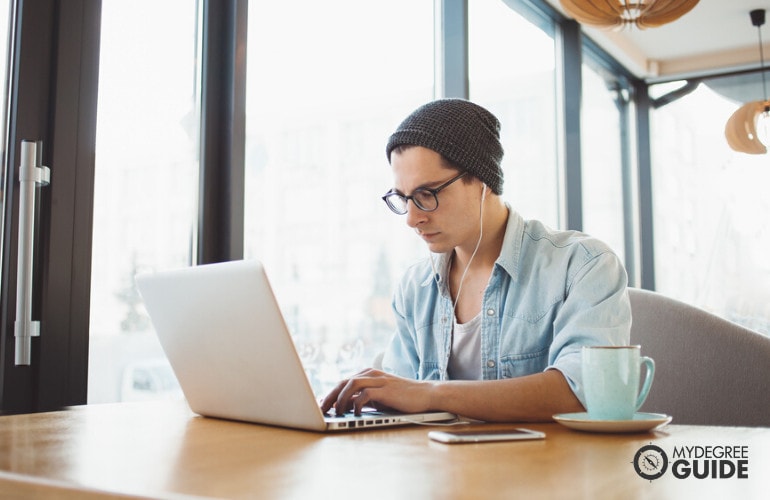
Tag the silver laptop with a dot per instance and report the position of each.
(223, 333)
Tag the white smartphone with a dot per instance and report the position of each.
(483, 436)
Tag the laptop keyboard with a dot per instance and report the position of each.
(365, 413)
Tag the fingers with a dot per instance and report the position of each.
(356, 393)
(328, 402)
(361, 399)
(353, 393)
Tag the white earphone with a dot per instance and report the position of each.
(478, 244)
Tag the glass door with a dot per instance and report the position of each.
(146, 185)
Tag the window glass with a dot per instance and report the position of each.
(601, 164)
(5, 42)
(325, 89)
(711, 207)
(146, 185)
(511, 73)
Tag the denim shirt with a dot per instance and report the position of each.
(550, 293)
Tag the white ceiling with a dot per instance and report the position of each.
(714, 37)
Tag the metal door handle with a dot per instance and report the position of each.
(31, 174)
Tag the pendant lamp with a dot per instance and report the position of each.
(621, 13)
(741, 127)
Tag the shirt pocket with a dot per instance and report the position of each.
(518, 365)
(526, 343)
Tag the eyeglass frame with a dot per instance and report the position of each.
(434, 191)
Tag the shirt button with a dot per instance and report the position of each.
(491, 363)
(490, 312)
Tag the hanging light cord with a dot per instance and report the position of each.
(762, 62)
(758, 19)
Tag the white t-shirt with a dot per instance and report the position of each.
(465, 358)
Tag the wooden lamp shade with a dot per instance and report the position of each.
(620, 13)
(741, 128)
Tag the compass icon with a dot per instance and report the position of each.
(650, 462)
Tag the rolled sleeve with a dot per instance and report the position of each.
(596, 311)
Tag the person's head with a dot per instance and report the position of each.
(465, 134)
(445, 157)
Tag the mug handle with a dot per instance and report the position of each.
(650, 364)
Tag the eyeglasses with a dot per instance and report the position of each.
(426, 199)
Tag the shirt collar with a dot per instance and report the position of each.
(510, 253)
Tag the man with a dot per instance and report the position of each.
(492, 326)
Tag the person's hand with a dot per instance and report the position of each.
(380, 390)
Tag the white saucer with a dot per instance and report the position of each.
(641, 422)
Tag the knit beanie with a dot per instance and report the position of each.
(463, 132)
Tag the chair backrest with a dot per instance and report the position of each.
(708, 370)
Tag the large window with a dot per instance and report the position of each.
(327, 83)
(146, 185)
(601, 133)
(511, 73)
(324, 91)
(711, 211)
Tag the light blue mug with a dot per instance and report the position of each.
(611, 381)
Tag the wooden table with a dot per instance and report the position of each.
(163, 450)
